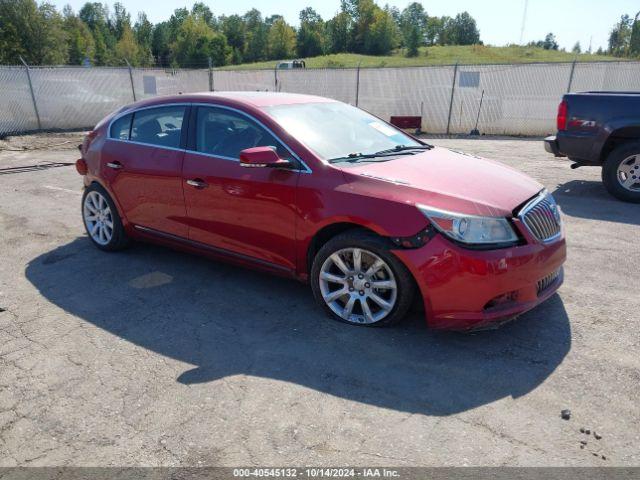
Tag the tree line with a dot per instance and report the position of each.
(624, 39)
(98, 35)
(103, 36)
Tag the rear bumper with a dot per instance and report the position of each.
(551, 146)
(469, 289)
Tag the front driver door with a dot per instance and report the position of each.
(249, 212)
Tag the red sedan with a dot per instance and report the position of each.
(315, 189)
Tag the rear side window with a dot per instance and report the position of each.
(226, 133)
(121, 127)
(160, 126)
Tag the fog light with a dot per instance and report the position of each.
(502, 300)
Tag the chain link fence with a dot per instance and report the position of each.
(516, 99)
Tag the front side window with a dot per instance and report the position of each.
(160, 126)
(226, 133)
(121, 127)
(336, 130)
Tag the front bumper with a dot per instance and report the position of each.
(467, 289)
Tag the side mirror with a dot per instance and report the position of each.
(262, 157)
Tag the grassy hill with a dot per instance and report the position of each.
(472, 54)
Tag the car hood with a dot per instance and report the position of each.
(448, 180)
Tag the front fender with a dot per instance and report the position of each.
(325, 205)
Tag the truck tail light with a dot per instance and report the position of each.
(562, 116)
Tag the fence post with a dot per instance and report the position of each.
(275, 77)
(210, 76)
(453, 90)
(358, 83)
(573, 69)
(133, 88)
(33, 95)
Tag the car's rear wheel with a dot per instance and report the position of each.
(621, 172)
(359, 281)
(101, 220)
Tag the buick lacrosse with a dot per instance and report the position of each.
(318, 190)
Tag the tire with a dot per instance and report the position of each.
(356, 290)
(98, 208)
(618, 163)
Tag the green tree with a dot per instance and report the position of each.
(338, 33)
(202, 12)
(577, 48)
(34, 32)
(433, 30)
(310, 38)
(96, 17)
(620, 36)
(412, 40)
(382, 35)
(257, 36)
(282, 40)
(413, 23)
(550, 42)
(120, 20)
(127, 48)
(365, 15)
(143, 31)
(196, 42)
(463, 30)
(161, 43)
(235, 30)
(80, 41)
(634, 38)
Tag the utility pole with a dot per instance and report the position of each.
(524, 21)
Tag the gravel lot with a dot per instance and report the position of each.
(155, 357)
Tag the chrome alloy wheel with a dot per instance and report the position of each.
(629, 173)
(98, 218)
(358, 286)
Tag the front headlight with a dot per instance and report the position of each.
(471, 229)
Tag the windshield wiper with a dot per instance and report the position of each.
(405, 148)
(391, 152)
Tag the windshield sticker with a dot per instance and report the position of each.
(384, 129)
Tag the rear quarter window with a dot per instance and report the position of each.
(121, 128)
(161, 126)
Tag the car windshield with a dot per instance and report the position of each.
(336, 131)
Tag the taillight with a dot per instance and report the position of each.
(81, 166)
(562, 116)
(89, 137)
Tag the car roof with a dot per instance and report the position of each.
(253, 99)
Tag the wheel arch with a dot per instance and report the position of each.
(618, 137)
(326, 233)
(114, 199)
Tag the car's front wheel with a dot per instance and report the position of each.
(101, 220)
(621, 172)
(359, 281)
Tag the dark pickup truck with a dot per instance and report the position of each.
(603, 129)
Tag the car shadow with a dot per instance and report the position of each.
(227, 321)
(589, 199)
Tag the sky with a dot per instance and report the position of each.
(500, 22)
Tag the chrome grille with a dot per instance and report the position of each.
(542, 217)
(547, 281)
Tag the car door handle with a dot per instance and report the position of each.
(114, 165)
(197, 183)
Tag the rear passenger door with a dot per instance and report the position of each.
(142, 162)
